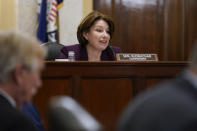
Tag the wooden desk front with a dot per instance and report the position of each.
(103, 88)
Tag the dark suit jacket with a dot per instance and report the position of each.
(109, 54)
(11, 119)
(170, 106)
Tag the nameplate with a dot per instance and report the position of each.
(136, 57)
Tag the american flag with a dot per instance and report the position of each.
(48, 20)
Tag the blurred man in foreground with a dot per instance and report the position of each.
(21, 63)
(170, 106)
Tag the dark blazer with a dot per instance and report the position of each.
(109, 54)
(170, 106)
(11, 119)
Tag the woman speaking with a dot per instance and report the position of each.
(94, 34)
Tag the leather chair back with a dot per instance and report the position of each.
(53, 50)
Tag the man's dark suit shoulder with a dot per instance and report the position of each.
(166, 106)
(12, 119)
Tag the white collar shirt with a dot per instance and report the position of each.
(8, 97)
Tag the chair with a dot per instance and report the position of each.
(53, 50)
(65, 114)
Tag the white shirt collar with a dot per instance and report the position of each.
(8, 97)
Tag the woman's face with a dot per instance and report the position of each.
(98, 37)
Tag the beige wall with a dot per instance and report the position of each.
(7, 15)
(11, 10)
(87, 7)
(70, 16)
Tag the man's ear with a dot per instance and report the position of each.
(85, 35)
(18, 74)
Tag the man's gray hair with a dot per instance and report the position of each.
(15, 49)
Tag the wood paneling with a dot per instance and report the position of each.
(165, 27)
(52, 86)
(190, 24)
(151, 81)
(106, 107)
(103, 88)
